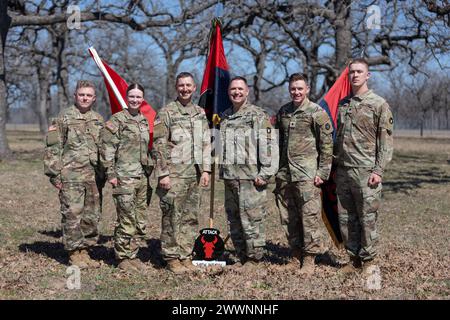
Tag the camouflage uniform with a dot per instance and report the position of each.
(247, 153)
(72, 158)
(182, 150)
(125, 156)
(306, 149)
(364, 145)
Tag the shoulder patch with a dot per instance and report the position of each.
(111, 126)
(157, 120)
(322, 117)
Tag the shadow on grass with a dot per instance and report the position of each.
(102, 239)
(406, 178)
(52, 233)
(277, 254)
(152, 254)
(53, 250)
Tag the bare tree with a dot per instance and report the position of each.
(109, 13)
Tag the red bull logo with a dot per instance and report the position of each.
(208, 247)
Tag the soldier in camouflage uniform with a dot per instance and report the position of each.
(363, 148)
(306, 150)
(126, 158)
(182, 151)
(249, 159)
(71, 161)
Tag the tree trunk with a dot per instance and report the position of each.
(260, 62)
(170, 91)
(5, 22)
(62, 73)
(43, 96)
(343, 32)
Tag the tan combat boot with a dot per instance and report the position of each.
(308, 265)
(127, 266)
(367, 265)
(76, 258)
(138, 264)
(354, 265)
(90, 262)
(188, 264)
(176, 267)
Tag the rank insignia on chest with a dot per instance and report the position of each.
(291, 125)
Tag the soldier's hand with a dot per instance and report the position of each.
(204, 180)
(113, 182)
(58, 185)
(374, 180)
(164, 183)
(259, 182)
(318, 181)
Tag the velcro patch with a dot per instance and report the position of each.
(52, 137)
(111, 127)
(327, 127)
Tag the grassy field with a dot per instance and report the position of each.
(414, 226)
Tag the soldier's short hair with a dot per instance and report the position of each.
(85, 84)
(184, 75)
(298, 76)
(359, 60)
(239, 78)
(136, 85)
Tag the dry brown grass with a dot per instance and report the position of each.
(413, 222)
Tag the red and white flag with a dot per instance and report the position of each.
(117, 91)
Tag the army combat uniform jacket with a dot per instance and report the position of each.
(249, 144)
(364, 135)
(182, 145)
(71, 153)
(125, 150)
(306, 142)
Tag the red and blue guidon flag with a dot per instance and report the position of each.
(340, 89)
(117, 91)
(214, 91)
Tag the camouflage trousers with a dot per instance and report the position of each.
(357, 206)
(300, 207)
(245, 206)
(180, 206)
(131, 197)
(80, 210)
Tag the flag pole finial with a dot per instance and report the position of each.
(219, 9)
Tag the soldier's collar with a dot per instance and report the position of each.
(79, 114)
(130, 116)
(302, 107)
(361, 97)
(183, 107)
(244, 106)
